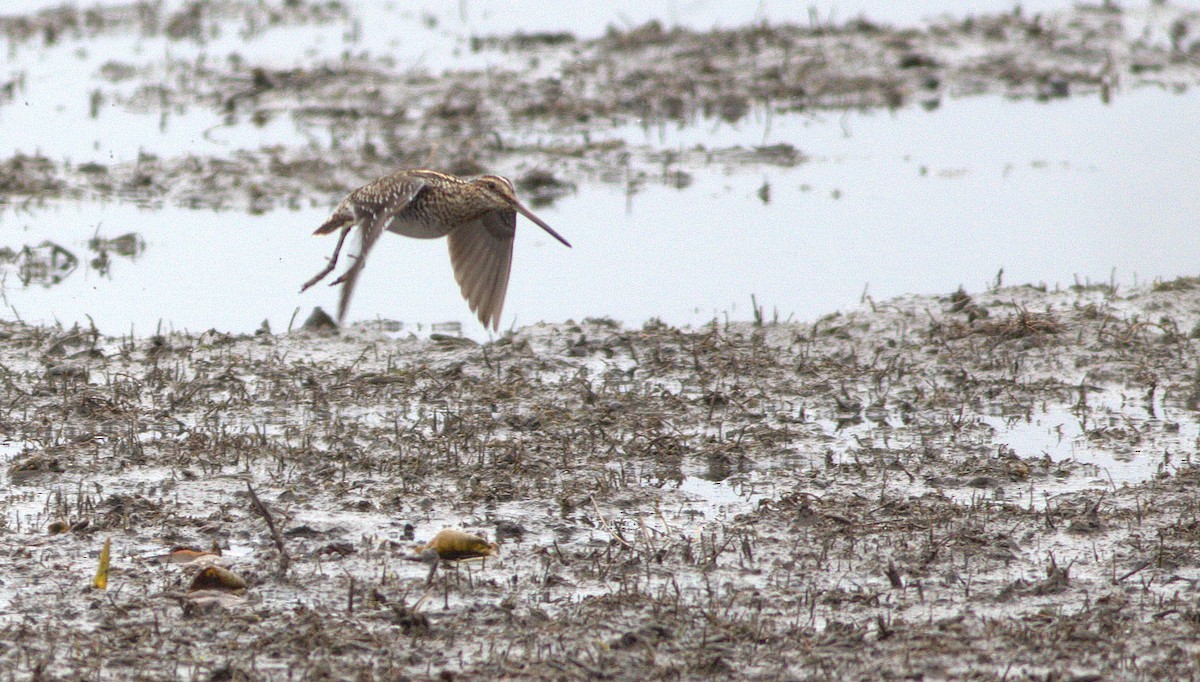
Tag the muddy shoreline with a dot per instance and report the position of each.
(992, 485)
(549, 112)
(769, 501)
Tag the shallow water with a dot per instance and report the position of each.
(849, 515)
(887, 203)
(466, 16)
(890, 203)
(1119, 437)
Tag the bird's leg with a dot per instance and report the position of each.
(357, 264)
(332, 261)
(359, 261)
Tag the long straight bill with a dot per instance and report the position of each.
(538, 221)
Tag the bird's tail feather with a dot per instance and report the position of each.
(339, 219)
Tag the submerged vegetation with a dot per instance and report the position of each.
(994, 485)
(759, 500)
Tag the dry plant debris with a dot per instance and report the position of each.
(546, 114)
(748, 500)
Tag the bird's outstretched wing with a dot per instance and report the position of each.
(481, 252)
(374, 206)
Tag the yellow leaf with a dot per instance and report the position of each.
(101, 581)
(217, 578)
(455, 545)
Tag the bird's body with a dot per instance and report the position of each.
(479, 215)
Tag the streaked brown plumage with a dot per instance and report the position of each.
(479, 215)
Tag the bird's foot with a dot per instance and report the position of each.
(345, 275)
(332, 262)
(319, 276)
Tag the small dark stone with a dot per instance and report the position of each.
(914, 60)
(506, 530)
(319, 321)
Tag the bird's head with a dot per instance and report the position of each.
(500, 192)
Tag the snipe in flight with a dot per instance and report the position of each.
(479, 215)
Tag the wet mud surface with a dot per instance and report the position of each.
(553, 113)
(988, 485)
(766, 501)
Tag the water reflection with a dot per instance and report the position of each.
(129, 246)
(906, 202)
(46, 264)
(50, 263)
(1119, 435)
